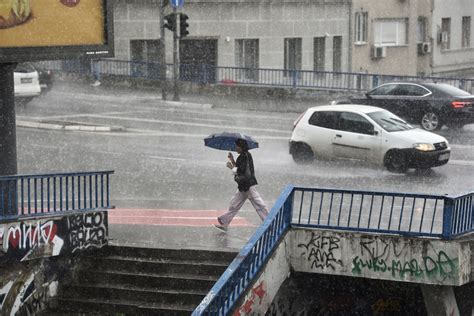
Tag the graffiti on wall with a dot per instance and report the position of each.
(87, 230)
(39, 238)
(32, 239)
(387, 256)
(255, 297)
(25, 289)
(322, 251)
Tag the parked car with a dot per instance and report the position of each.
(430, 105)
(365, 133)
(26, 81)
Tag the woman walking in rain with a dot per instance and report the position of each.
(244, 175)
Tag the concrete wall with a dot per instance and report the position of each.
(226, 21)
(260, 297)
(456, 60)
(26, 287)
(415, 260)
(400, 60)
(54, 235)
(34, 256)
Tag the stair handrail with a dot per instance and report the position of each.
(227, 291)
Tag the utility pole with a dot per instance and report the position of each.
(8, 160)
(162, 50)
(175, 58)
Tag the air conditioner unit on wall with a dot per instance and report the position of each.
(379, 51)
(424, 48)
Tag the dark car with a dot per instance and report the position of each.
(46, 79)
(431, 105)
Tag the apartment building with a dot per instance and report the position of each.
(453, 38)
(391, 36)
(301, 35)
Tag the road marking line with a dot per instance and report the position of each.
(461, 162)
(188, 123)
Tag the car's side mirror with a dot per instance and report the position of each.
(368, 95)
(374, 132)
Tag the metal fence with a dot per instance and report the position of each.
(210, 74)
(415, 215)
(36, 195)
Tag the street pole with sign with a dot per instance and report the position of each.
(175, 56)
(162, 50)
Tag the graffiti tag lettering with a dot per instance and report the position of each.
(87, 230)
(29, 235)
(321, 251)
(390, 256)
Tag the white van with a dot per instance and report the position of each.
(26, 80)
(366, 133)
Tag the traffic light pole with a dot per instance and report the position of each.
(8, 161)
(162, 50)
(175, 59)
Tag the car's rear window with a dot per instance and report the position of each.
(389, 122)
(450, 90)
(24, 68)
(326, 119)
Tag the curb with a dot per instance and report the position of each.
(59, 127)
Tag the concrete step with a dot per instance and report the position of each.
(135, 294)
(147, 281)
(187, 255)
(155, 266)
(94, 306)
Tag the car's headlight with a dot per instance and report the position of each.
(424, 146)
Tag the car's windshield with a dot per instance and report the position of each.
(389, 121)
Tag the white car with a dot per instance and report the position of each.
(365, 133)
(26, 80)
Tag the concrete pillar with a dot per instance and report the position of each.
(440, 300)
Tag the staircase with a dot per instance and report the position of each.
(140, 281)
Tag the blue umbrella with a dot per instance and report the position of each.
(226, 141)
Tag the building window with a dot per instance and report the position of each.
(446, 29)
(337, 53)
(246, 56)
(466, 31)
(421, 30)
(361, 27)
(292, 55)
(391, 32)
(145, 56)
(319, 50)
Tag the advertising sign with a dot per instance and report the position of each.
(55, 29)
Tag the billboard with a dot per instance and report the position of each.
(55, 29)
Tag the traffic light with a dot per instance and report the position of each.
(183, 25)
(170, 22)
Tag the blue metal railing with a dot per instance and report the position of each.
(235, 280)
(206, 74)
(36, 195)
(415, 215)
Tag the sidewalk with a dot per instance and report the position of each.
(177, 229)
(207, 100)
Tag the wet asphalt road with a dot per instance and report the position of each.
(161, 162)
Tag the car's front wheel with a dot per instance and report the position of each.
(302, 153)
(396, 161)
(431, 121)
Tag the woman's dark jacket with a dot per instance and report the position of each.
(241, 164)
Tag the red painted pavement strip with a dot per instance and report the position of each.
(195, 218)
